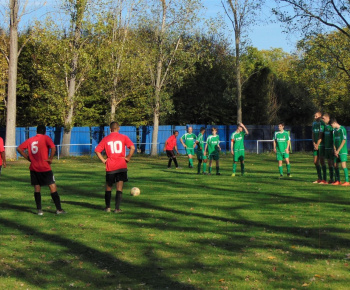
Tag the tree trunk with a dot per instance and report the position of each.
(68, 122)
(238, 77)
(12, 82)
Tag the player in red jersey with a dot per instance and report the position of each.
(116, 163)
(2, 155)
(169, 146)
(36, 151)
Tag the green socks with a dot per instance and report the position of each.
(280, 169)
(346, 173)
(319, 175)
(234, 168)
(288, 168)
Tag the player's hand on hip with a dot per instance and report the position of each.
(49, 161)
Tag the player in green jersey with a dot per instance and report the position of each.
(188, 141)
(213, 149)
(340, 151)
(319, 149)
(281, 145)
(201, 157)
(237, 147)
(328, 145)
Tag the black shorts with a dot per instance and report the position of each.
(116, 177)
(42, 178)
(170, 153)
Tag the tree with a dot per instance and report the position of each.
(242, 14)
(165, 27)
(118, 61)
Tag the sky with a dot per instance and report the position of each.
(263, 36)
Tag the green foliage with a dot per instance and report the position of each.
(324, 71)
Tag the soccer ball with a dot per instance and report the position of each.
(135, 191)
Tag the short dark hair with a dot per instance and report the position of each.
(333, 120)
(41, 129)
(326, 115)
(114, 125)
(175, 131)
(201, 129)
(281, 123)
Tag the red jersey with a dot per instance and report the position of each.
(170, 143)
(38, 151)
(114, 145)
(2, 149)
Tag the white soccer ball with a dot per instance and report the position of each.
(135, 191)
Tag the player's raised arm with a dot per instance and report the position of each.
(244, 128)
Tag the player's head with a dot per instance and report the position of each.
(189, 129)
(202, 130)
(334, 123)
(176, 133)
(318, 115)
(239, 127)
(41, 129)
(214, 130)
(326, 118)
(281, 126)
(114, 126)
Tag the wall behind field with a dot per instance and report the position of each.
(85, 139)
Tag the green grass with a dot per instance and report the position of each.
(185, 231)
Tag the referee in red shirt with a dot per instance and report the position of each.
(170, 145)
(116, 163)
(36, 151)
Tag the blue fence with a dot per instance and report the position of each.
(85, 139)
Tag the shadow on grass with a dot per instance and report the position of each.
(108, 270)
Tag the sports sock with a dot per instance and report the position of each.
(210, 169)
(346, 173)
(234, 168)
(108, 196)
(204, 167)
(337, 174)
(191, 161)
(242, 168)
(37, 197)
(288, 168)
(199, 166)
(56, 199)
(169, 162)
(319, 175)
(175, 161)
(324, 171)
(280, 169)
(217, 169)
(118, 199)
(331, 170)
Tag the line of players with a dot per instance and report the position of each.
(210, 151)
(330, 143)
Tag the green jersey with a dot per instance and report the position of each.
(281, 139)
(201, 141)
(213, 143)
(189, 138)
(317, 129)
(338, 136)
(238, 139)
(328, 137)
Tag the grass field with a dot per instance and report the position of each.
(185, 231)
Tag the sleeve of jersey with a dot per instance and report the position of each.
(128, 142)
(24, 145)
(49, 142)
(100, 146)
(344, 134)
(2, 149)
